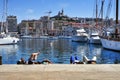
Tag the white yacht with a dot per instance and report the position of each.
(81, 36)
(7, 40)
(94, 38)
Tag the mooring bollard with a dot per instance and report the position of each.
(0, 60)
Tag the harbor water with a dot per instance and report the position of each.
(58, 51)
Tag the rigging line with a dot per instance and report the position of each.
(4, 11)
(102, 4)
(99, 1)
(109, 9)
(6, 6)
(3, 16)
(94, 9)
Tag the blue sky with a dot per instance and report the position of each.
(34, 9)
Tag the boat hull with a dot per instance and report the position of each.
(110, 44)
(95, 41)
(80, 38)
(8, 41)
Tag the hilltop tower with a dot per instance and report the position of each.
(62, 12)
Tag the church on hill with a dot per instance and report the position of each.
(60, 16)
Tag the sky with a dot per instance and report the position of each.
(34, 9)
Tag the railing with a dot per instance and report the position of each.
(115, 38)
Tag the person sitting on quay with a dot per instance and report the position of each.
(34, 55)
(75, 60)
(21, 61)
(89, 61)
(72, 59)
(46, 61)
(33, 58)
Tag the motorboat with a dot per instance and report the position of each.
(80, 36)
(94, 38)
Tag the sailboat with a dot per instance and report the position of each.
(112, 40)
(5, 37)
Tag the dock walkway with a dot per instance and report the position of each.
(60, 72)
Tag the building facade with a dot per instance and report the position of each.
(12, 23)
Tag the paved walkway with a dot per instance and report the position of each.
(60, 72)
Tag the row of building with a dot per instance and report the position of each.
(46, 25)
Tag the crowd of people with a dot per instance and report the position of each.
(33, 60)
(73, 60)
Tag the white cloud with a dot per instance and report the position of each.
(29, 11)
(31, 17)
(30, 14)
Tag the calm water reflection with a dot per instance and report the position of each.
(58, 51)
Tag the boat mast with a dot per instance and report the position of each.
(3, 17)
(102, 9)
(96, 13)
(102, 12)
(6, 23)
(117, 5)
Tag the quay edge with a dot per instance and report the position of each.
(60, 72)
